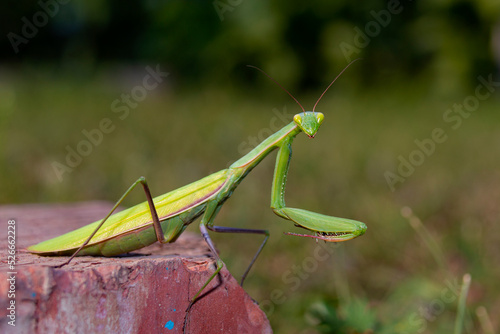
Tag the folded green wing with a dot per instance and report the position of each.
(139, 216)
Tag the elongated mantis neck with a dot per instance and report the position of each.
(255, 156)
(282, 140)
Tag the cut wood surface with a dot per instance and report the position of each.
(146, 291)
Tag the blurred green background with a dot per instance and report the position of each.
(427, 66)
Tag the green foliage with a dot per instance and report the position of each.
(355, 317)
(444, 43)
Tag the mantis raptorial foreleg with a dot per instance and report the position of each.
(280, 172)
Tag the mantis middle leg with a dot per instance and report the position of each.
(205, 225)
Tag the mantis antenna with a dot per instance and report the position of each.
(276, 82)
(345, 68)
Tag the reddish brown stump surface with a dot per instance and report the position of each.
(144, 293)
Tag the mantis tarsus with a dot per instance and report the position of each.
(165, 217)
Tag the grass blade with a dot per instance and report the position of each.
(462, 302)
(484, 320)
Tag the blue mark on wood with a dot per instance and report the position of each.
(169, 325)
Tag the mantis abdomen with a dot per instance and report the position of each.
(133, 228)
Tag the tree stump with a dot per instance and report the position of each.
(146, 291)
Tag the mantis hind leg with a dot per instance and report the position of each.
(154, 214)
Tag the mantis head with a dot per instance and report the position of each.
(309, 122)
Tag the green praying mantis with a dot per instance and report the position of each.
(165, 217)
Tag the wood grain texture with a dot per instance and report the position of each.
(143, 292)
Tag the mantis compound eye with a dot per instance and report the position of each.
(297, 119)
(320, 117)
